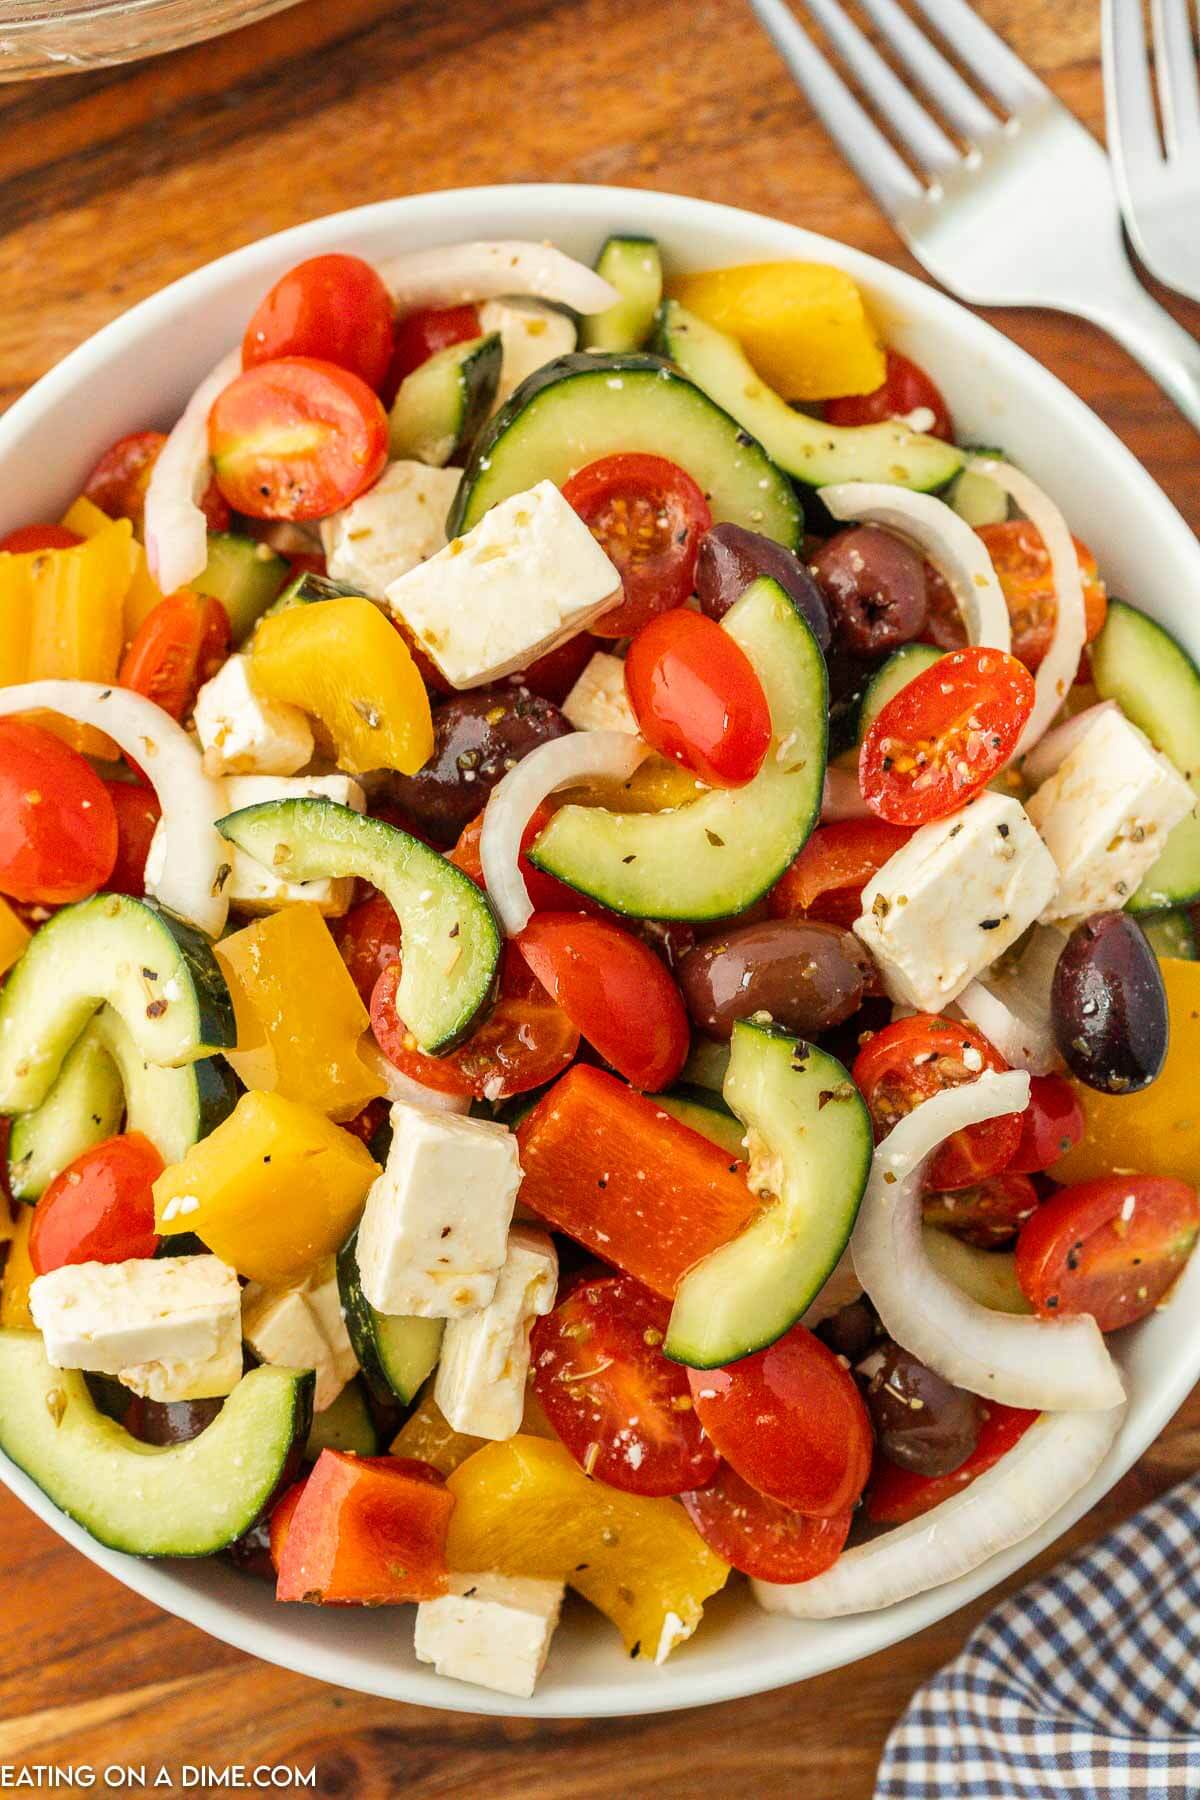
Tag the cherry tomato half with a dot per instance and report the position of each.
(1110, 1247)
(649, 516)
(697, 698)
(545, 893)
(369, 940)
(1022, 565)
(615, 990)
(989, 1214)
(827, 878)
(58, 829)
(39, 537)
(333, 307)
(1051, 1125)
(906, 389)
(138, 812)
(296, 439)
(525, 1040)
(791, 1422)
(420, 335)
(760, 1537)
(911, 1059)
(944, 736)
(623, 1411)
(118, 483)
(896, 1495)
(100, 1208)
(177, 648)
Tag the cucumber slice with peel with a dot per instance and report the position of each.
(633, 265)
(395, 1354)
(901, 667)
(708, 1114)
(441, 406)
(346, 1425)
(1171, 935)
(83, 1108)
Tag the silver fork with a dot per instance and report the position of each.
(1159, 182)
(1026, 215)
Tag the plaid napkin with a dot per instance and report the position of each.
(1085, 1684)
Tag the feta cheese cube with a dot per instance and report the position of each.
(494, 1630)
(598, 701)
(209, 1379)
(531, 334)
(241, 732)
(484, 1364)
(1104, 816)
(434, 1232)
(952, 900)
(391, 528)
(301, 1327)
(527, 577)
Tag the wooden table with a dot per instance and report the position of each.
(112, 184)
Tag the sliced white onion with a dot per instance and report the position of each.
(1011, 1004)
(609, 755)
(176, 529)
(458, 274)
(1049, 755)
(842, 798)
(195, 855)
(1045, 1468)
(842, 1288)
(1055, 1365)
(957, 553)
(399, 1086)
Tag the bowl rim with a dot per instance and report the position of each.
(431, 218)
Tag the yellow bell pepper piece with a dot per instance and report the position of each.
(525, 1507)
(804, 326)
(1156, 1132)
(143, 593)
(14, 935)
(428, 1434)
(300, 1022)
(271, 1191)
(343, 662)
(18, 1274)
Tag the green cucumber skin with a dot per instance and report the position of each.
(396, 1355)
(633, 265)
(346, 1425)
(242, 578)
(306, 588)
(442, 406)
(1171, 935)
(83, 1108)
(703, 1111)
(901, 667)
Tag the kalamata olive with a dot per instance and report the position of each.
(807, 975)
(731, 557)
(251, 1553)
(478, 737)
(169, 1422)
(1108, 1005)
(851, 1331)
(875, 586)
(921, 1422)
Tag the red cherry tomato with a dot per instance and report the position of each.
(989, 1214)
(1051, 1125)
(369, 940)
(906, 389)
(1022, 565)
(545, 893)
(615, 990)
(333, 307)
(555, 674)
(896, 1495)
(622, 1410)
(791, 1422)
(138, 812)
(649, 516)
(1110, 1247)
(118, 483)
(827, 878)
(100, 1208)
(296, 439)
(913, 1058)
(39, 537)
(177, 648)
(697, 698)
(58, 829)
(524, 1041)
(944, 736)
(760, 1537)
(420, 335)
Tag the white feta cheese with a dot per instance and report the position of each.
(952, 899)
(484, 1364)
(530, 334)
(494, 1630)
(301, 1327)
(527, 577)
(241, 732)
(168, 1323)
(434, 1232)
(391, 528)
(598, 701)
(1104, 816)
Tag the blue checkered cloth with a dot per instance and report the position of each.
(1085, 1684)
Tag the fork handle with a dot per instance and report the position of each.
(1153, 338)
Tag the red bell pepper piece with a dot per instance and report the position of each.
(280, 1521)
(366, 1531)
(895, 1495)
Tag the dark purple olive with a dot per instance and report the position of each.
(875, 586)
(1108, 1005)
(169, 1422)
(807, 975)
(477, 737)
(851, 1331)
(731, 557)
(921, 1422)
(251, 1553)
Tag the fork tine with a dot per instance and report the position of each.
(1175, 68)
(985, 54)
(861, 142)
(940, 79)
(1129, 103)
(924, 137)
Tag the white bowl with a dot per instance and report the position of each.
(137, 372)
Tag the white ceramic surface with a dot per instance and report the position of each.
(138, 371)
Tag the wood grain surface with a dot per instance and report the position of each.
(115, 182)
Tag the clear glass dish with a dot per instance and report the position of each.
(61, 37)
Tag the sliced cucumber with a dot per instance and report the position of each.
(633, 265)
(720, 852)
(1157, 685)
(706, 1065)
(441, 406)
(588, 405)
(159, 974)
(899, 669)
(706, 1113)
(450, 936)
(807, 448)
(244, 575)
(811, 1145)
(82, 1109)
(174, 1108)
(307, 588)
(988, 1276)
(395, 1354)
(183, 1500)
(346, 1425)
(977, 498)
(1171, 934)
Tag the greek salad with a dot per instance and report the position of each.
(599, 983)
